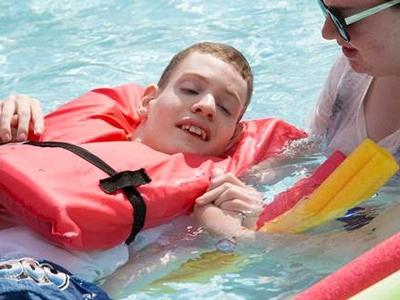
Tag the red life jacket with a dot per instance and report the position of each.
(57, 193)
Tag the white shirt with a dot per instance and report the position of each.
(339, 114)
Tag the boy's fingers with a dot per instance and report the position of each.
(24, 118)
(222, 193)
(14, 124)
(37, 117)
(226, 190)
(213, 189)
(204, 199)
(7, 113)
(225, 178)
(216, 172)
(230, 193)
(210, 196)
(236, 205)
(217, 177)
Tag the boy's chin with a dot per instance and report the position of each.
(195, 150)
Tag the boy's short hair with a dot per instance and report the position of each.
(221, 51)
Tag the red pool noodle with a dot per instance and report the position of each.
(369, 268)
(304, 187)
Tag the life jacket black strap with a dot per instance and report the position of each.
(124, 179)
(127, 181)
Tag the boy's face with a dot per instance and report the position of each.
(198, 110)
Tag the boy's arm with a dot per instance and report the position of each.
(218, 221)
(225, 224)
(105, 114)
(228, 204)
(229, 193)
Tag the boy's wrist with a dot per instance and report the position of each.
(249, 222)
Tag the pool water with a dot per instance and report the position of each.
(57, 50)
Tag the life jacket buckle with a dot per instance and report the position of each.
(123, 180)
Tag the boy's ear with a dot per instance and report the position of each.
(150, 93)
(236, 136)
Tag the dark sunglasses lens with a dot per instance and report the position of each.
(323, 7)
(340, 27)
(338, 23)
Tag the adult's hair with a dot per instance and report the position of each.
(221, 51)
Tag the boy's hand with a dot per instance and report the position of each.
(229, 193)
(19, 115)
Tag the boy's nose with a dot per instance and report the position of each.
(206, 106)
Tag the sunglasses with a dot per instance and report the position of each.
(342, 23)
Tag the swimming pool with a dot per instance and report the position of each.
(57, 50)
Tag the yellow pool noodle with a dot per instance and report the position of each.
(356, 179)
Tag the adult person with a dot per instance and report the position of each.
(361, 97)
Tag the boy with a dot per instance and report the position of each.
(195, 108)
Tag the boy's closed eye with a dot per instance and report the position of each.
(224, 109)
(189, 91)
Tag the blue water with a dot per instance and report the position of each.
(57, 50)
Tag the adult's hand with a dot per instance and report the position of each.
(19, 116)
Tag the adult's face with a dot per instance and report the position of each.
(374, 41)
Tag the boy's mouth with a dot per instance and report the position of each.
(195, 131)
